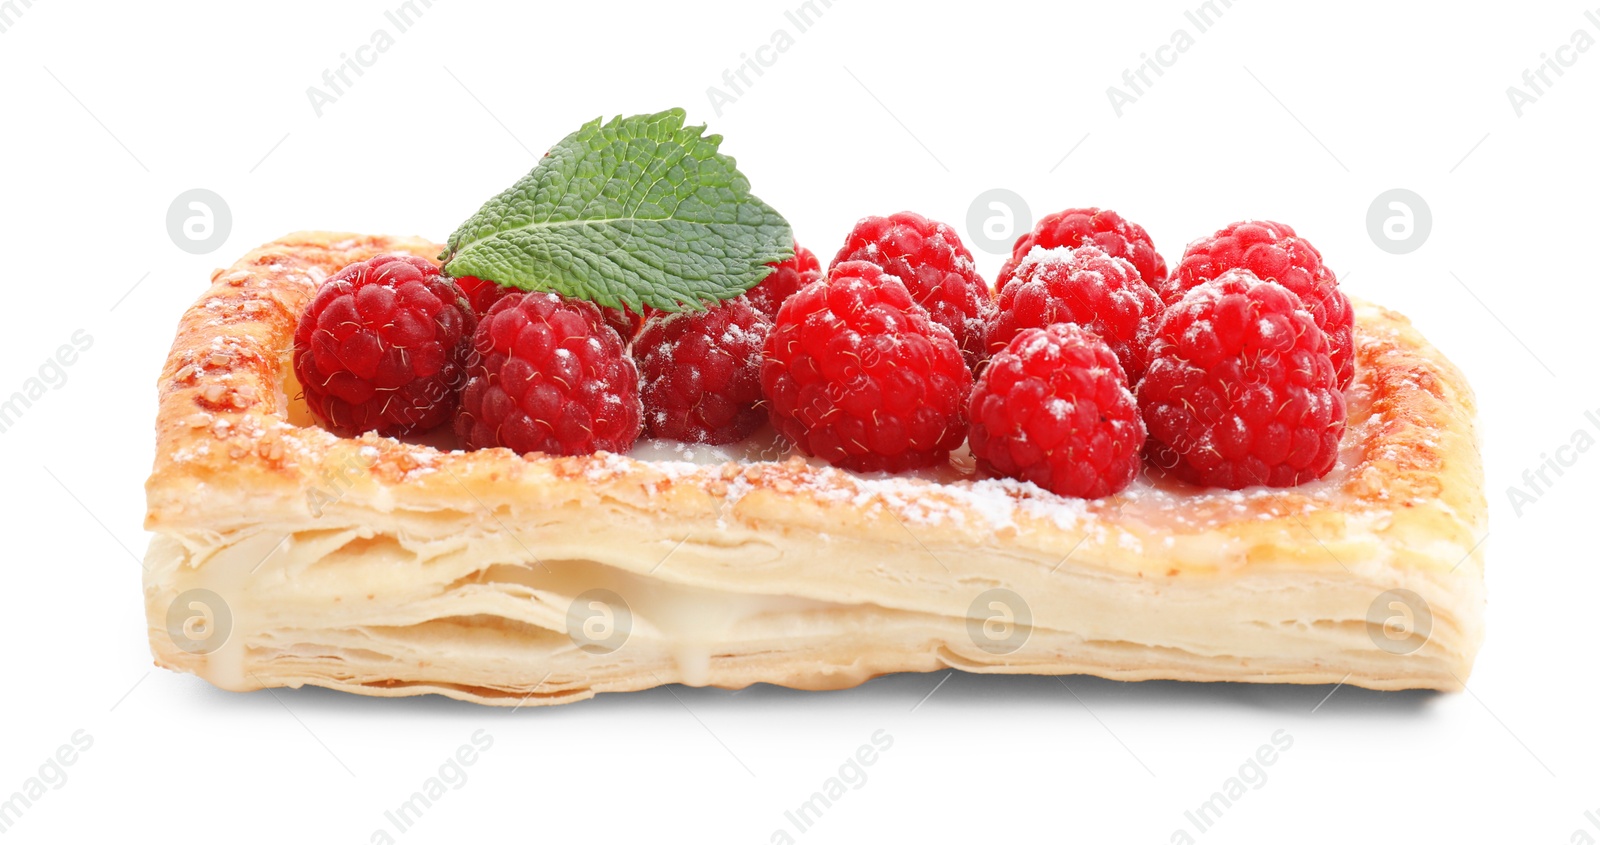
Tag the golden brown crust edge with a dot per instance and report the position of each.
(1406, 502)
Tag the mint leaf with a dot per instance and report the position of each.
(639, 211)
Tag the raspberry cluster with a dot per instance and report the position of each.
(1088, 363)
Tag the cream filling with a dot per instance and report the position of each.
(253, 577)
(338, 603)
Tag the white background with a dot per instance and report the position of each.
(1301, 113)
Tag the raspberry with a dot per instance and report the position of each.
(481, 293)
(382, 347)
(786, 278)
(1102, 228)
(935, 267)
(858, 375)
(1273, 252)
(550, 377)
(1053, 408)
(1085, 286)
(1240, 389)
(701, 373)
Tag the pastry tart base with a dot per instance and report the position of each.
(285, 555)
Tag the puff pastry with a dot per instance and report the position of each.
(284, 555)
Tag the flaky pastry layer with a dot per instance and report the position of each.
(399, 568)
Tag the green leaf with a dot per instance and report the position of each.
(639, 211)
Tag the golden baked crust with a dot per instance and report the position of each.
(393, 568)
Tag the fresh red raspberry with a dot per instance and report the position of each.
(1241, 389)
(701, 373)
(382, 347)
(929, 258)
(1103, 228)
(857, 374)
(1053, 407)
(481, 293)
(550, 377)
(1085, 286)
(786, 278)
(1273, 252)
